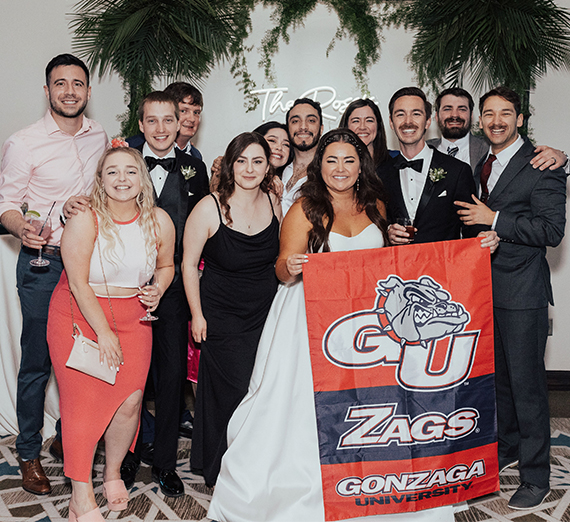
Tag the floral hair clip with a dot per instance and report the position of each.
(118, 142)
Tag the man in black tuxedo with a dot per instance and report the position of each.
(180, 181)
(421, 182)
(527, 209)
(453, 114)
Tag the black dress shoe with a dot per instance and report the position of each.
(169, 482)
(528, 496)
(129, 469)
(56, 450)
(185, 429)
(147, 453)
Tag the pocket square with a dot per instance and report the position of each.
(443, 194)
(190, 193)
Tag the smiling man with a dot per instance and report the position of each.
(422, 183)
(527, 208)
(44, 165)
(305, 125)
(453, 114)
(180, 181)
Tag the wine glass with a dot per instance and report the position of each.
(148, 316)
(42, 227)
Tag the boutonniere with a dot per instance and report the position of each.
(437, 174)
(188, 172)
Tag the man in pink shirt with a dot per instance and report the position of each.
(44, 165)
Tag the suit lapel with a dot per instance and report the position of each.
(397, 195)
(429, 187)
(513, 168)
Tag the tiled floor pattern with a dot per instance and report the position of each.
(148, 504)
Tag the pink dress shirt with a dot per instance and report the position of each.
(42, 164)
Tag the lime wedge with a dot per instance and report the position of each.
(32, 213)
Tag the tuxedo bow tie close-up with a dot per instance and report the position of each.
(402, 163)
(167, 164)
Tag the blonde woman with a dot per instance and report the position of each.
(109, 253)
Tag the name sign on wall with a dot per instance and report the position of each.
(273, 101)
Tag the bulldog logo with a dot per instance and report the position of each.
(415, 312)
(409, 318)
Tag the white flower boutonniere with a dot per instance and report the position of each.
(437, 174)
(188, 172)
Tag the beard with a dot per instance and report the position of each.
(64, 112)
(454, 133)
(305, 146)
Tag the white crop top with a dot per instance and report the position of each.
(131, 266)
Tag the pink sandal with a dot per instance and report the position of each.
(91, 516)
(116, 494)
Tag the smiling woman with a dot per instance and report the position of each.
(236, 230)
(109, 252)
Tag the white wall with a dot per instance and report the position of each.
(33, 31)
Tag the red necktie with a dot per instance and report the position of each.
(485, 173)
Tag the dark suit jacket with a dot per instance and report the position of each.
(478, 147)
(532, 215)
(436, 217)
(179, 196)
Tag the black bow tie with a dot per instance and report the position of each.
(167, 164)
(402, 163)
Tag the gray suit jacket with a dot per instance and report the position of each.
(478, 147)
(532, 215)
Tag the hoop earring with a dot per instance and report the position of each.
(140, 198)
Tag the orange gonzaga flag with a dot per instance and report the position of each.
(401, 344)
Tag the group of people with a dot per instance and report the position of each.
(141, 221)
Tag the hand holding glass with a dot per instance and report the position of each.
(148, 316)
(42, 227)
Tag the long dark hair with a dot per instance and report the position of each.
(379, 145)
(226, 186)
(317, 201)
(264, 128)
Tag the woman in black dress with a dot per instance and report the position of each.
(236, 230)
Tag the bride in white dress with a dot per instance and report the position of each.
(271, 470)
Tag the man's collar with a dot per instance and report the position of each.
(52, 126)
(146, 151)
(461, 142)
(506, 155)
(423, 154)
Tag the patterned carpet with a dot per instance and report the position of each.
(148, 503)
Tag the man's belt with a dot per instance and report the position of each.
(49, 250)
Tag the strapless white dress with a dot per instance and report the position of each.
(271, 470)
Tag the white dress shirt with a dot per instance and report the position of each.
(461, 143)
(413, 182)
(158, 174)
(498, 166)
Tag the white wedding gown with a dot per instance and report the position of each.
(271, 470)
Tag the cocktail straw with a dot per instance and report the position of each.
(47, 217)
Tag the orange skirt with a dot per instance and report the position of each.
(87, 405)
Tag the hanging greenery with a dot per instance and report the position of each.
(359, 20)
(486, 42)
(146, 40)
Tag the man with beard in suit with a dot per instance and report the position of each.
(422, 183)
(527, 209)
(453, 114)
(180, 181)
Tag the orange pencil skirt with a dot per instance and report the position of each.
(87, 405)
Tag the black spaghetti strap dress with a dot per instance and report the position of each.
(236, 291)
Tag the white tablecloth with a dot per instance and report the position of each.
(10, 346)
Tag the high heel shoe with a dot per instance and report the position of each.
(116, 494)
(91, 516)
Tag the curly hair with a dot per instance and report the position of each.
(144, 201)
(226, 185)
(379, 145)
(317, 200)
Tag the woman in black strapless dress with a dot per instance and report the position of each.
(236, 230)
